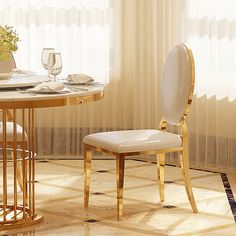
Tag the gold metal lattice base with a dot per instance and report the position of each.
(20, 219)
(17, 203)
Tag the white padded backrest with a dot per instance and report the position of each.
(7, 65)
(177, 79)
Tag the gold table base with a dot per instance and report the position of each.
(17, 202)
(17, 207)
(23, 222)
(17, 218)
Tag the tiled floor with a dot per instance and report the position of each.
(59, 194)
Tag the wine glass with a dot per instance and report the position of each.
(44, 57)
(54, 64)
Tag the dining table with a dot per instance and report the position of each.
(17, 205)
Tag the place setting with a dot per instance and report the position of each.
(52, 62)
(48, 87)
(78, 81)
(61, 86)
(26, 81)
(29, 82)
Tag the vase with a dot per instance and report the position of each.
(6, 66)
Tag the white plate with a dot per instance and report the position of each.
(77, 83)
(23, 73)
(23, 81)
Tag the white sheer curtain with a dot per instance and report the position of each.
(87, 33)
(151, 28)
(78, 29)
(211, 31)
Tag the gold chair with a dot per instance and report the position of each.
(7, 66)
(176, 93)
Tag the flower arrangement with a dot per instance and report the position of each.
(8, 41)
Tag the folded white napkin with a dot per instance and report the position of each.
(79, 78)
(48, 87)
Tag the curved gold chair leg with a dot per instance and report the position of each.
(161, 174)
(18, 173)
(120, 164)
(87, 170)
(185, 171)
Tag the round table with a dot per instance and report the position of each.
(17, 208)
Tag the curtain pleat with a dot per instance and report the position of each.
(212, 129)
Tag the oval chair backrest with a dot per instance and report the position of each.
(177, 83)
(7, 65)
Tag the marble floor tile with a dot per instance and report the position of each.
(59, 197)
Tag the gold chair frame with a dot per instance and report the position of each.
(120, 158)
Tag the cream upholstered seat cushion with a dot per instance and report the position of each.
(10, 132)
(134, 140)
